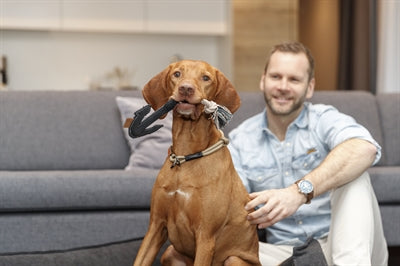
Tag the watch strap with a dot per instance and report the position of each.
(309, 196)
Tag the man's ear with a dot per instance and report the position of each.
(226, 94)
(157, 92)
(262, 82)
(310, 88)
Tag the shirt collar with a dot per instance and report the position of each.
(301, 121)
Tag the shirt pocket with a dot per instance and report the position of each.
(307, 161)
(262, 179)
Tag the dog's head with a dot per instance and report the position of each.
(188, 82)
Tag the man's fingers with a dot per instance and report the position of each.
(256, 200)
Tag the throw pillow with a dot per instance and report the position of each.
(150, 150)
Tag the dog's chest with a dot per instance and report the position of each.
(179, 193)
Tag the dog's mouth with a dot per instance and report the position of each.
(185, 108)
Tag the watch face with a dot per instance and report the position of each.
(305, 186)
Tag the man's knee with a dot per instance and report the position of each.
(359, 186)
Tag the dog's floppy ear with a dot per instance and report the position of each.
(226, 94)
(157, 92)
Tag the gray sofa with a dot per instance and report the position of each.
(66, 199)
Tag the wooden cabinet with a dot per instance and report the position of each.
(208, 17)
(105, 15)
(37, 15)
(190, 16)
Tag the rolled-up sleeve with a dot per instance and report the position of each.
(333, 128)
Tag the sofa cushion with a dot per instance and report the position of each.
(105, 255)
(386, 183)
(389, 110)
(76, 190)
(391, 226)
(63, 231)
(54, 130)
(120, 254)
(148, 150)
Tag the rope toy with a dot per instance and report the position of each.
(220, 114)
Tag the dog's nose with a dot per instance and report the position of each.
(186, 90)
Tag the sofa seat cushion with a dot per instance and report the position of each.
(44, 232)
(121, 254)
(76, 190)
(111, 254)
(386, 183)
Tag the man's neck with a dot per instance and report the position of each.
(278, 124)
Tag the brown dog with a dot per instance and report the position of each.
(198, 204)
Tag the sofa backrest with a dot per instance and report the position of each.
(389, 112)
(82, 129)
(61, 130)
(358, 104)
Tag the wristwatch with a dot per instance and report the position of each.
(306, 188)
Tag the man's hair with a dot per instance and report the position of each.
(295, 48)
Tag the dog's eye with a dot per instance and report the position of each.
(177, 74)
(206, 78)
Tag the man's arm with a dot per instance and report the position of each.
(344, 163)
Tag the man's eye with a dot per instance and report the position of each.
(206, 78)
(177, 74)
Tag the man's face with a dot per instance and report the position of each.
(285, 84)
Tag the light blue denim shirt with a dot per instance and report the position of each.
(263, 162)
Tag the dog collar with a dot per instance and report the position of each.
(179, 159)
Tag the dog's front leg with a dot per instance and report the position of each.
(204, 251)
(152, 242)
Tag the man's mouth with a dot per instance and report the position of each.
(282, 100)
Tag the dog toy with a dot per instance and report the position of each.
(220, 114)
(139, 128)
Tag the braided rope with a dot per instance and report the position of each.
(220, 114)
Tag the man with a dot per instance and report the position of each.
(305, 168)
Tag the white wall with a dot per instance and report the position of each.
(388, 78)
(51, 60)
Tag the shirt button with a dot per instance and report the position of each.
(305, 164)
(259, 178)
(288, 144)
(286, 173)
(300, 222)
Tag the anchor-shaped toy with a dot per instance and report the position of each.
(138, 127)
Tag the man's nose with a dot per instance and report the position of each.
(283, 85)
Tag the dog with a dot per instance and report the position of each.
(197, 204)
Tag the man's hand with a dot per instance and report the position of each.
(278, 204)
